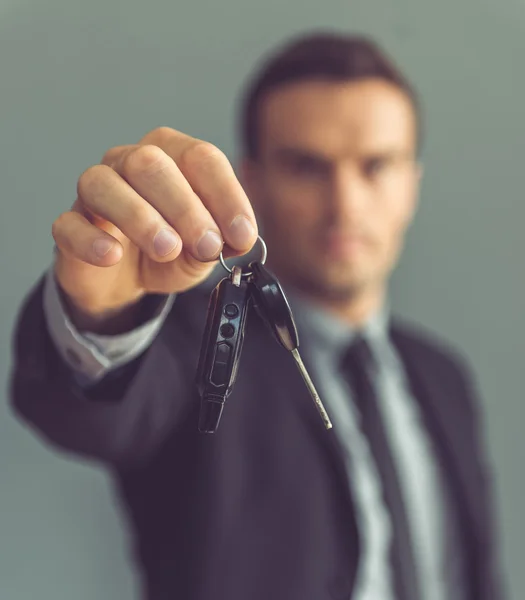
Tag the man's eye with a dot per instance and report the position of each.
(305, 166)
(375, 166)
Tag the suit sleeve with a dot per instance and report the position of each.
(118, 419)
(92, 356)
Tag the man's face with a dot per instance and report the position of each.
(335, 183)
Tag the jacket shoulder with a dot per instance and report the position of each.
(426, 351)
(429, 345)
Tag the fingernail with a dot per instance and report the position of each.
(102, 246)
(209, 245)
(165, 242)
(242, 232)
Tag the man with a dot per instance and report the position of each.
(394, 501)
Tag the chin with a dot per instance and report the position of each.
(325, 277)
(329, 288)
(343, 290)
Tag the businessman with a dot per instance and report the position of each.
(395, 501)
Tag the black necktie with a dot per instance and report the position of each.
(358, 366)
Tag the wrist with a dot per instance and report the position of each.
(103, 320)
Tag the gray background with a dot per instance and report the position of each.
(78, 78)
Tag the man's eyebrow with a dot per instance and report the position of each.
(386, 153)
(291, 152)
(296, 152)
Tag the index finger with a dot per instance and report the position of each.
(211, 176)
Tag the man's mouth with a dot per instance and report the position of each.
(342, 245)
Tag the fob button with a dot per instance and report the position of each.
(219, 375)
(231, 311)
(227, 330)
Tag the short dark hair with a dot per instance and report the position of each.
(330, 56)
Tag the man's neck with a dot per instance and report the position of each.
(355, 311)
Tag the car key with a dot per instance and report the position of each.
(221, 347)
(272, 306)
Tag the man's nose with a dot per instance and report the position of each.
(348, 192)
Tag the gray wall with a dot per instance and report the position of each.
(79, 78)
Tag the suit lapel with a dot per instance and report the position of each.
(433, 387)
(261, 354)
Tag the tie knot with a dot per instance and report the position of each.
(358, 365)
(358, 355)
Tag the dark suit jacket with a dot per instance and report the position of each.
(261, 509)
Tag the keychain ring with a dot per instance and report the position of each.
(263, 258)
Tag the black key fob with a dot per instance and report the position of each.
(272, 306)
(221, 348)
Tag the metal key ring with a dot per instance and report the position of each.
(249, 273)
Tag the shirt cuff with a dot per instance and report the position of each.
(91, 355)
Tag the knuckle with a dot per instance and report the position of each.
(107, 157)
(59, 230)
(56, 227)
(158, 135)
(202, 155)
(162, 132)
(111, 155)
(91, 179)
(144, 160)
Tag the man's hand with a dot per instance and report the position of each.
(150, 218)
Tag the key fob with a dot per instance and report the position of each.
(272, 306)
(221, 348)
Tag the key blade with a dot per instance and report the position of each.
(311, 388)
